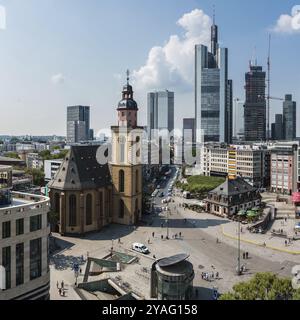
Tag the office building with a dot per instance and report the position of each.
(246, 161)
(189, 129)
(78, 124)
(238, 119)
(51, 167)
(24, 247)
(289, 118)
(277, 128)
(255, 105)
(213, 92)
(160, 112)
(284, 167)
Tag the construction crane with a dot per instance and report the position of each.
(269, 88)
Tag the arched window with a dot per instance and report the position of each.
(122, 210)
(89, 209)
(56, 203)
(137, 181)
(121, 181)
(72, 211)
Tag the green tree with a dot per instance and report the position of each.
(13, 155)
(38, 176)
(263, 286)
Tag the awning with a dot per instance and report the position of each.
(242, 213)
(252, 214)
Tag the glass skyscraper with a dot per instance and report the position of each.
(255, 105)
(160, 111)
(289, 118)
(78, 124)
(213, 93)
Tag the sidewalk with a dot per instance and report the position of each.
(230, 230)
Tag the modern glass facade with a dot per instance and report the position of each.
(78, 124)
(255, 105)
(160, 111)
(213, 94)
(289, 118)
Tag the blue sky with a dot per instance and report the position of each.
(56, 53)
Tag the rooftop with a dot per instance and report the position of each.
(233, 187)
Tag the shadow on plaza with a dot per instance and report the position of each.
(188, 224)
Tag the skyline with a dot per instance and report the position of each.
(79, 64)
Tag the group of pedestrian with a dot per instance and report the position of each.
(61, 289)
(210, 276)
(246, 255)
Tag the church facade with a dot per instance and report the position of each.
(88, 195)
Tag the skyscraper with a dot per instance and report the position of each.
(289, 118)
(189, 125)
(213, 92)
(160, 111)
(255, 104)
(78, 124)
(278, 127)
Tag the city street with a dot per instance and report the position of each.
(199, 234)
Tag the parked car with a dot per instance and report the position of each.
(139, 247)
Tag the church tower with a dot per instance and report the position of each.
(126, 164)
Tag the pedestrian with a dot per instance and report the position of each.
(180, 234)
(59, 291)
(153, 234)
(244, 256)
(162, 237)
(64, 293)
(247, 255)
(286, 243)
(62, 284)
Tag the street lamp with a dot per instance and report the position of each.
(239, 250)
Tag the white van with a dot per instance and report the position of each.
(138, 247)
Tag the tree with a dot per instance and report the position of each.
(264, 286)
(38, 176)
(13, 155)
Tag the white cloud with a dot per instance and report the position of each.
(172, 66)
(58, 79)
(289, 24)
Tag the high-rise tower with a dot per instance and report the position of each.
(255, 112)
(213, 92)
